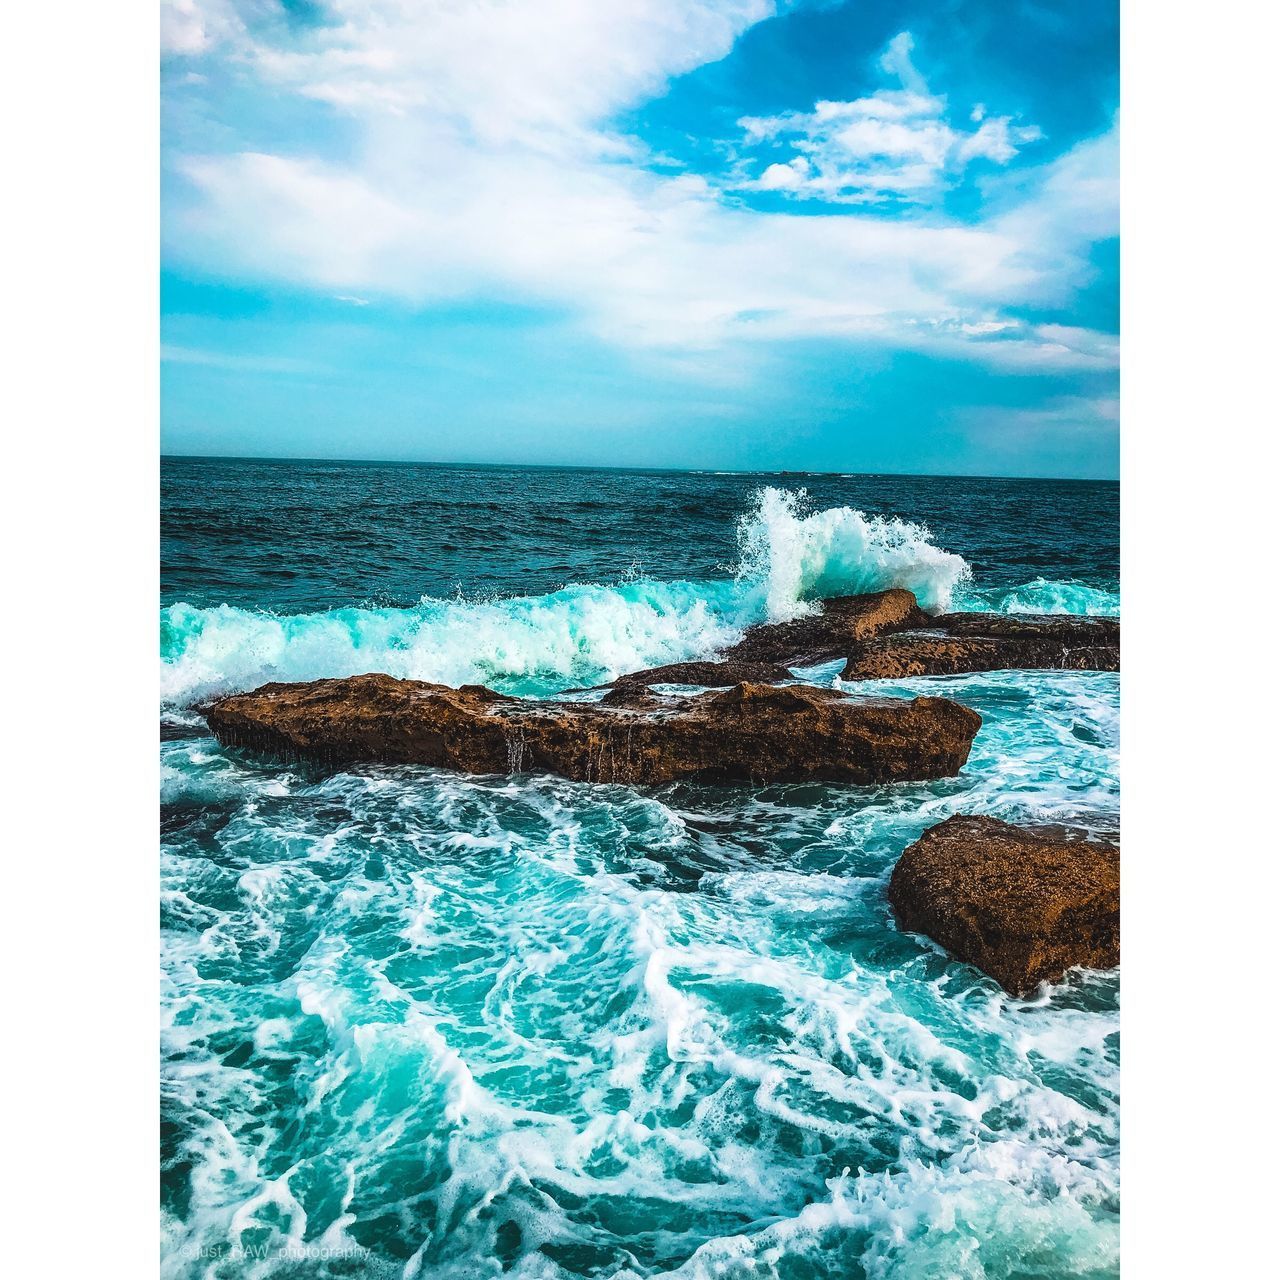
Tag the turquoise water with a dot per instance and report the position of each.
(424, 1025)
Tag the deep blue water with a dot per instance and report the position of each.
(419, 1024)
(303, 536)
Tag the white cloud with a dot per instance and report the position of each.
(192, 27)
(786, 177)
(486, 166)
(537, 71)
(895, 143)
(896, 61)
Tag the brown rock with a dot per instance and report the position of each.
(1068, 628)
(1024, 905)
(710, 675)
(751, 732)
(845, 621)
(961, 642)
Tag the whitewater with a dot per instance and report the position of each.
(422, 1025)
(585, 634)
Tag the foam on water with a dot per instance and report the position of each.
(425, 1025)
(526, 645)
(1042, 596)
(579, 635)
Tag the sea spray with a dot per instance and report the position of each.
(794, 558)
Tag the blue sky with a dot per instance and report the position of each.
(710, 233)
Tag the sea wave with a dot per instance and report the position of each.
(793, 558)
(528, 644)
(591, 633)
(1043, 595)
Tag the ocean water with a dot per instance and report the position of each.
(416, 1024)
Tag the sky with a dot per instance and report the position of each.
(876, 236)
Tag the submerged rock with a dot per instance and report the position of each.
(844, 622)
(750, 732)
(1024, 905)
(956, 643)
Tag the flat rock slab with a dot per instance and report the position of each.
(844, 622)
(751, 732)
(958, 643)
(1068, 628)
(1023, 904)
(632, 688)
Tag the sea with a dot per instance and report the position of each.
(418, 1024)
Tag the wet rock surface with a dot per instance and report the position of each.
(708, 675)
(1023, 904)
(844, 622)
(957, 643)
(752, 731)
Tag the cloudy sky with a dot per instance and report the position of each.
(738, 234)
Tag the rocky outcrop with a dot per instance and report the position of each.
(956, 643)
(632, 688)
(1024, 905)
(885, 635)
(1068, 628)
(843, 623)
(750, 732)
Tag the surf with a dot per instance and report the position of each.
(789, 557)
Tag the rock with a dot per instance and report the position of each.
(961, 642)
(632, 690)
(1067, 628)
(751, 732)
(709, 675)
(845, 621)
(1022, 904)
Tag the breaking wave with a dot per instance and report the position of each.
(590, 633)
(529, 644)
(793, 558)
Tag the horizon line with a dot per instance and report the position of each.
(586, 466)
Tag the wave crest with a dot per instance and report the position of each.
(589, 634)
(527, 645)
(796, 558)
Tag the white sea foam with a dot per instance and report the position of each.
(1043, 595)
(577, 635)
(441, 1025)
(498, 1023)
(796, 557)
(581, 634)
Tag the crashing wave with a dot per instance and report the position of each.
(586, 634)
(795, 558)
